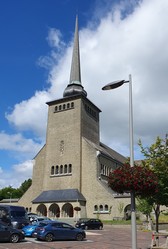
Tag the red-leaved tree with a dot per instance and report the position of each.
(141, 180)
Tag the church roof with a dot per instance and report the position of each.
(75, 86)
(107, 151)
(62, 195)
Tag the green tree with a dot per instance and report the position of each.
(25, 185)
(10, 192)
(144, 207)
(156, 158)
(7, 193)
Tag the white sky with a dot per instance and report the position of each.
(112, 47)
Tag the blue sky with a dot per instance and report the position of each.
(117, 38)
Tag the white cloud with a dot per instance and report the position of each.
(18, 143)
(118, 45)
(16, 175)
(24, 168)
(31, 113)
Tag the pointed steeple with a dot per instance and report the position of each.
(75, 87)
(75, 75)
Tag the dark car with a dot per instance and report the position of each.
(14, 215)
(8, 233)
(54, 230)
(89, 224)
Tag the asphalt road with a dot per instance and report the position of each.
(111, 237)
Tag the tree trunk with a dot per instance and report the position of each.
(157, 213)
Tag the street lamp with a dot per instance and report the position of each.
(111, 86)
(10, 196)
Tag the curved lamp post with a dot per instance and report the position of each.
(111, 86)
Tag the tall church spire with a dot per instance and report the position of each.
(75, 76)
(75, 87)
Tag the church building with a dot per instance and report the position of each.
(70, 172)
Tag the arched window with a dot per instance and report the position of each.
(72, 104)
(60, 107)
(64, 106)
(56, 108)
(95, 208)
(70, 168)
(106, 208)
(57, 170)
(101, 208)
(101, 168)
(65, 169)
(61, 169)
(52, 170)
(68, 105)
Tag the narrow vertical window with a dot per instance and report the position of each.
(101, 208)
(61, 169)
(72, 104)
(106, 208)
(57, 170)
(65, 169)
(70, 168)
(95, 208)
(52, 170)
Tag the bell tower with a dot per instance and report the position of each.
(70, 119)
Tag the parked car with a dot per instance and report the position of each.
(37, 219)
(14, 215)
(8, 233)
(29, 229)
(55, 230)
(85, 223)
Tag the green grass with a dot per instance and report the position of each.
(119, 222)
(163, 218)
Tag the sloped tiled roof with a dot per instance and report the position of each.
(59, 196)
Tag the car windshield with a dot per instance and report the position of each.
(83, 219)
(15, 214)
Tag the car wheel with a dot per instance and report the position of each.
(14, 238)
(79, 237)
(49, 237)
(86, 227)
(100, 227)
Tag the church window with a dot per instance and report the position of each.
(91, 112)
(72, 105)
(65, 169)
(95, 208)
(70, 168)
(106, 208)
(101, 168)
(101, 208)
(57, 170)
(52, 170)
(61, 169)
